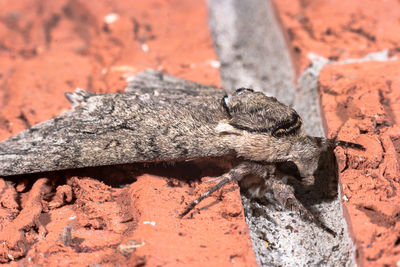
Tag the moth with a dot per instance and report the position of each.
(160, 118)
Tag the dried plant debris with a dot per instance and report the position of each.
(161, 118)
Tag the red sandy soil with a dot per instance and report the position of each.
(339, 29)
(360, 103)
(107, 215)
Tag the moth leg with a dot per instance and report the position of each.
(307, 168)
(233, 175)
(215, 179)
(284, 194)
(309, 180)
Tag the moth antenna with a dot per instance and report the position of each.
(326, 142)
(348, 144)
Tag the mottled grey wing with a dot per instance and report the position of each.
(121, 128)
(163, 86)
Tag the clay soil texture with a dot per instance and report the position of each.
(114, 215)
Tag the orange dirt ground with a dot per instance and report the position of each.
(103, 215)
(359, 102)
(113, 215)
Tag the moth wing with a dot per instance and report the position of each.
(122, 128)
(164, 86)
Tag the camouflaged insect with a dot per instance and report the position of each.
(161, 118)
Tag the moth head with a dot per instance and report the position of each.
(305, 154)
(308, 150)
